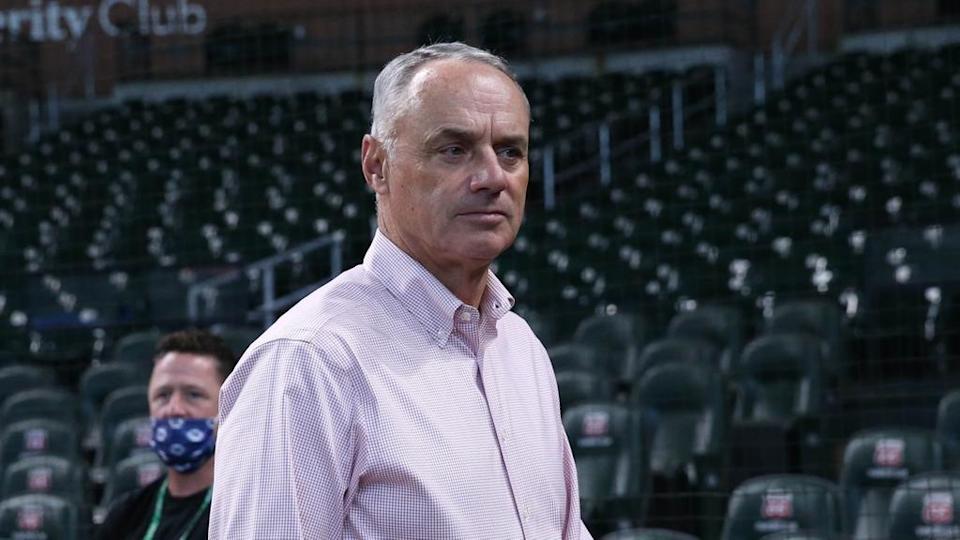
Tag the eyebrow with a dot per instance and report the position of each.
(469, 135)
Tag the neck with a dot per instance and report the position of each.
(466, 282)
(184, 485)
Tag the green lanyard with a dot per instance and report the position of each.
(158, 513)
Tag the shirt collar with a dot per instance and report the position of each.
(422, 294)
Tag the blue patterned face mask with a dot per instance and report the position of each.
(183, 443)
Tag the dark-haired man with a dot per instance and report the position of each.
(189, 367)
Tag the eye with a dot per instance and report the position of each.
(453, 150)
(511, 153)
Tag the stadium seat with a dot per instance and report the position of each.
(37, 437)
(617, 340)
(136, 348)
(685, 404)
(720, 325)
(576, 387)
(948, 428)
(98, 381)
(612, 464)
(54, 475)
(819, 318)
(874, 463)
(39, 516)
(574, 357)
(668, 350)
(648, 534)
(122, 404)
(238, 338)
(780, 378)
(48, 403)
(131, 436)
(132, 473)
(803, 535)
(774, 503)
(926, 506)
(18, 378)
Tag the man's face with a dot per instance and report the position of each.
(452, 190)
(184, 385)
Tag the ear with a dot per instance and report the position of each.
(373, 162)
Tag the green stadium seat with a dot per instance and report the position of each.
(668, 350)
(575, 357)
(720, 325)
(616, 339)
(576, 387)
(122, 404)
(36, 437)
(15, 379)
(238, 338)
(131, 436)
(948, 428)
(53, 475)
(780, 378)
(138, 347)
(648, 534)
(926, 506)
(99, 380)
(48, 403)
(875, 462)
(774, 503)
(819, 318)
(803, 535)
(612, 464)
(130, 474)
(40, 516)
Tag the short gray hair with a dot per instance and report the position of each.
(390, 87)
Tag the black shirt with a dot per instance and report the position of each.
(129, 516)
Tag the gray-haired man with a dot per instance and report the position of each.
(404, 399)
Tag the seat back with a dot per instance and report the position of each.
(720, 325)
(647, 534)
(575, 357)
(132, 436)
(768, 504)
(98, 381)
(35, 437)
(803, 535)
(122, 404)
(684, 404)
(780, 378)
(54, 475)
(16, 378)
(820, 318)
(668, 350)
(607, 444)
(576, 387)
(238, 338)
(39, 516)
(876, 461)
(948, 428)
(616, 339)
(130, 474)
(137, 347)
(49, 403)
(926, 506)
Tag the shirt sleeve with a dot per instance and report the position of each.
(286, 444)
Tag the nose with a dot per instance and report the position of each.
(489, 174)
(175, 408)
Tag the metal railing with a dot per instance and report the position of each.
(205, 292)
(607, 149)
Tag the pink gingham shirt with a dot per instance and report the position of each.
(382, 407)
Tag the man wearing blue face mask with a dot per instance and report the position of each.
(189, 367)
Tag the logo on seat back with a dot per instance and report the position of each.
(30, 518)
(35, 439)
(888, 453)
(39, 479)
(938, 508)
(143, 435)
(777, 505)
(596, 424)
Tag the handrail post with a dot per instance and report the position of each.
(676, 99)
(549, 179)
(656, 150)
(603, 136)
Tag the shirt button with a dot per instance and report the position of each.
(440, 333)
(465, 316)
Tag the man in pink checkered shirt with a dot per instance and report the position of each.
(404, 400)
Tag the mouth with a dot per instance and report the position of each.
(486, 216)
